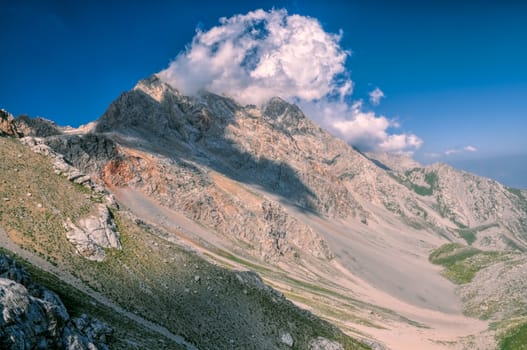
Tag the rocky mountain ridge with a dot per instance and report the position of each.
(277, 148)
(168, 145)
(271, 187)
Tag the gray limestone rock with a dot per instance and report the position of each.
(36, 127)
(33, 317)
(287, 339)
(94, 233)
(322, 343)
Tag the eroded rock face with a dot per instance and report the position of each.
(7, 126)
(285, 232)
(61, 166)
(28, 322)
(33, 317)
(93, 234)
(38, 127)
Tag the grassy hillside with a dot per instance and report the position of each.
(461, 262)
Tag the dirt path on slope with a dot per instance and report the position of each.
(68, 278)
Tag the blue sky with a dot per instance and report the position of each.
(453, 73)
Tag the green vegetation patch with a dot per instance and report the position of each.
(514, 338)
(431, 179)
(517, 192)
(451, 253)
(243, 262)
(469, 234)
(462, 262)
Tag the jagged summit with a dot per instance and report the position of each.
(277, 107)
(155, 87)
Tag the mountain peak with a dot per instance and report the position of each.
(276, 107)
(155, 87)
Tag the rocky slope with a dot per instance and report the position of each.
(34, 317)
(172, 148)
(484, 212)
(277, 148)
(263, 187)
(186, 297)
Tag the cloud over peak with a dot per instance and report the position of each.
(255, 56)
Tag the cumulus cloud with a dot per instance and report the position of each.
(375, 96)
(256, 56)
(364, 129)
(470, 148)
(261, 54)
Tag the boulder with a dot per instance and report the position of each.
(94, 233)
(287, 339)
(322, 343)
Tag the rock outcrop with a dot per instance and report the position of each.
(61, 166)
(7, 126)
(25, 126)
(34, 317)
(498, 291)
(495, 215)
(94, 234)
(322, 343)
(36, 127)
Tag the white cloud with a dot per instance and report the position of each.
(360, 128)
(375, 96)
(453, 151)
(261, 54)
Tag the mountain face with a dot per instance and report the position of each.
(345, 234)
(173, 148)
(153, 289)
